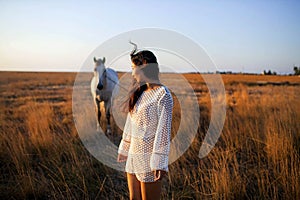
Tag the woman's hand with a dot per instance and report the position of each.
(159, 174)
(121, 158)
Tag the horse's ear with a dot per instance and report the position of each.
(103, 60)
(95, 60)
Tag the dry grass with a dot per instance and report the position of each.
(256, 157)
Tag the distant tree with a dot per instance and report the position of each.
(269, 72)
(296, 70)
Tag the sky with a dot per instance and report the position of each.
(239, 36)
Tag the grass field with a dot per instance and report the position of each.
(256, 157)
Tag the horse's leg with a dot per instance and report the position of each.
(98, 114)
(107, 106)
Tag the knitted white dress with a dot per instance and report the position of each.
(146, 135)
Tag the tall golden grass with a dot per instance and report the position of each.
(256, 157)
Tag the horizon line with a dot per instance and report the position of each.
(119, 71)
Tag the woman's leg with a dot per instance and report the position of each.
(151, 191)
(134, 186)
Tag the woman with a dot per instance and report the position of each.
(145, 143)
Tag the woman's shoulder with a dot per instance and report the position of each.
(164, 92)
(164, 89)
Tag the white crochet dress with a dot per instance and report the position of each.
(146, 135)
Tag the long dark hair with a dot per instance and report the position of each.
(147, 62)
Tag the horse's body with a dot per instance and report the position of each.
(103, 84)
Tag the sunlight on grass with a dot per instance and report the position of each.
(256, 157)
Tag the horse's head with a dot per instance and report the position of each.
(99, 65)
(99, 70)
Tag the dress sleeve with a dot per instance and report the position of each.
(126, 138)
(161, 148)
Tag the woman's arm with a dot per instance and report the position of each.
(125, 142)
(161, 148)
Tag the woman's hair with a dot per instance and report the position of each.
(147, 63)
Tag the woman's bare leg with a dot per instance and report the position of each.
(151, 191)
(134, 186)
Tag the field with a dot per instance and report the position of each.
(256, 157)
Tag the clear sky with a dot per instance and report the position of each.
(240, 36)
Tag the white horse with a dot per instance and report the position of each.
(104, 82)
